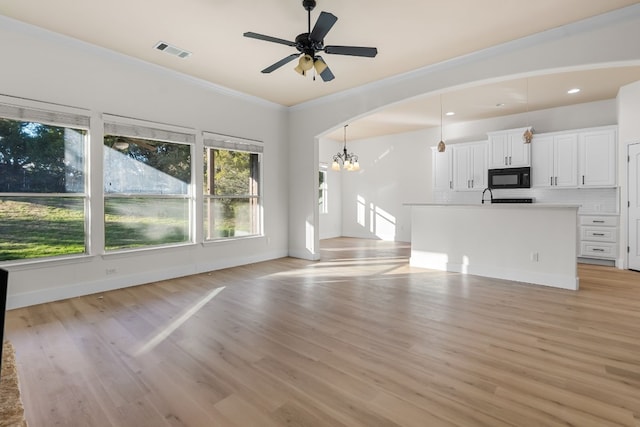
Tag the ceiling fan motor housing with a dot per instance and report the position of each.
(305, 45)
(309, 4)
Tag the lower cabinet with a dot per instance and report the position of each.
(598, 236)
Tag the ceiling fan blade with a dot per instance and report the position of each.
(323, 25)
(368, 52)
(280, 63)
(268, 38)
(326, 74)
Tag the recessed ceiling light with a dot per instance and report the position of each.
(450, 113)
(500, 104)
(572, 91)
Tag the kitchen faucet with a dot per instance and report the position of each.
(490, 194)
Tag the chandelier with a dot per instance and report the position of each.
(349, 160)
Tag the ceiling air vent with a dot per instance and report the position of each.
(172, 50)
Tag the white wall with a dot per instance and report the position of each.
(43, 66)
(395, 169)
(611, 38)
(331, 222)
(628, 133)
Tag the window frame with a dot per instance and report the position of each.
(212, 141)
(62, 117)
(153, 132)
(323, 196)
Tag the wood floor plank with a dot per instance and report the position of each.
(359, 338)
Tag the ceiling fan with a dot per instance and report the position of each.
(310, 43)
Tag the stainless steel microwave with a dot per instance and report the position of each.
(510, 178)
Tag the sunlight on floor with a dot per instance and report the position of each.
(165, 332)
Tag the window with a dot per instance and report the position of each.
(42, 183)
(322, 189)
(231, 187)
(147, 187)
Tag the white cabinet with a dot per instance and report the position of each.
(598, 236)
(470, 166)
(442, 173)
(507, 149)
(554, 160)
(597, 157)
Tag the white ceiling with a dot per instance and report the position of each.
(409, 34)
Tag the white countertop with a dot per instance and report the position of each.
(498, 205)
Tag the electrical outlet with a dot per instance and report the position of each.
(534, 256)
(110, 271)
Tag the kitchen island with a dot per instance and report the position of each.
(532, 243)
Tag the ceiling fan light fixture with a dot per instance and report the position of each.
(304, 64)
(319, 65)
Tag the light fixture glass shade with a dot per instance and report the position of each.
(347, 164)
(319, 65)
(335, 166)
(356, 166)
(441, 147)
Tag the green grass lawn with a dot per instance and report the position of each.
(37, 227)
(45, 227)
(41, 227)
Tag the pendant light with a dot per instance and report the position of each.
(349, 160)
(527, 136)
(441, 145)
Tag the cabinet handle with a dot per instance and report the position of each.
(556, 180)
(550, 180)
(505, 160)
(598, 234)
(598, 221)
(582, 179)
(451, 185)
(472, 184)
(509, 160)
(598, 250)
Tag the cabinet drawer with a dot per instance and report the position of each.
(609, 221)
(596, 249)
(600, 234)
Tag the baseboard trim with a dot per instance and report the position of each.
(26, 299)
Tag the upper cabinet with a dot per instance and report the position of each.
(597, 157)
(442, 177)
(507, 149)
(470, 166)
(580, 158)
(554, 160)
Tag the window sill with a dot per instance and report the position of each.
(126, 253)
(233, 239)
(31, 264)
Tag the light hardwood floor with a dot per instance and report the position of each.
(356, 339)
